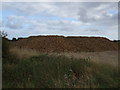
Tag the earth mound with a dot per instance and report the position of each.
(67, 44)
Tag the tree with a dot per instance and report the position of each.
(3, 34)
(14, 39)
(5, 44)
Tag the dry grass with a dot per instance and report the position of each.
(22, 53)
(107, 57)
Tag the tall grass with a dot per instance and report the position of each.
(22, 53)
(52, 71)
(45, 71)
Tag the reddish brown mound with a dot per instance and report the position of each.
(67, 44)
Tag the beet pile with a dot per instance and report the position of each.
(67, 44)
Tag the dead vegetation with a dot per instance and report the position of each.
(22, 53)
(106, 57)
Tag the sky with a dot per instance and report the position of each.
(23, 19)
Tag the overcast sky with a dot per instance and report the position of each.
(68, 19)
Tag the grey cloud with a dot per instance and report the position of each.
(13, 26)
(13, 22)
(17, 22)
(84, 17)
(87, 14)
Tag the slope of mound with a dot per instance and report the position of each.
(66, 44)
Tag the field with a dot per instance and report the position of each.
(29, 68)
(106, 57)
(59, 71)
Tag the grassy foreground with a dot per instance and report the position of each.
(33, 70)
(45, 71)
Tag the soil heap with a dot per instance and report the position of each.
(67, 44)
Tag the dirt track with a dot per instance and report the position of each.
(67, 44)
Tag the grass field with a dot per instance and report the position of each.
(107, 57)
(30, 69)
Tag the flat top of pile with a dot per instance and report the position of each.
(54, 43)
